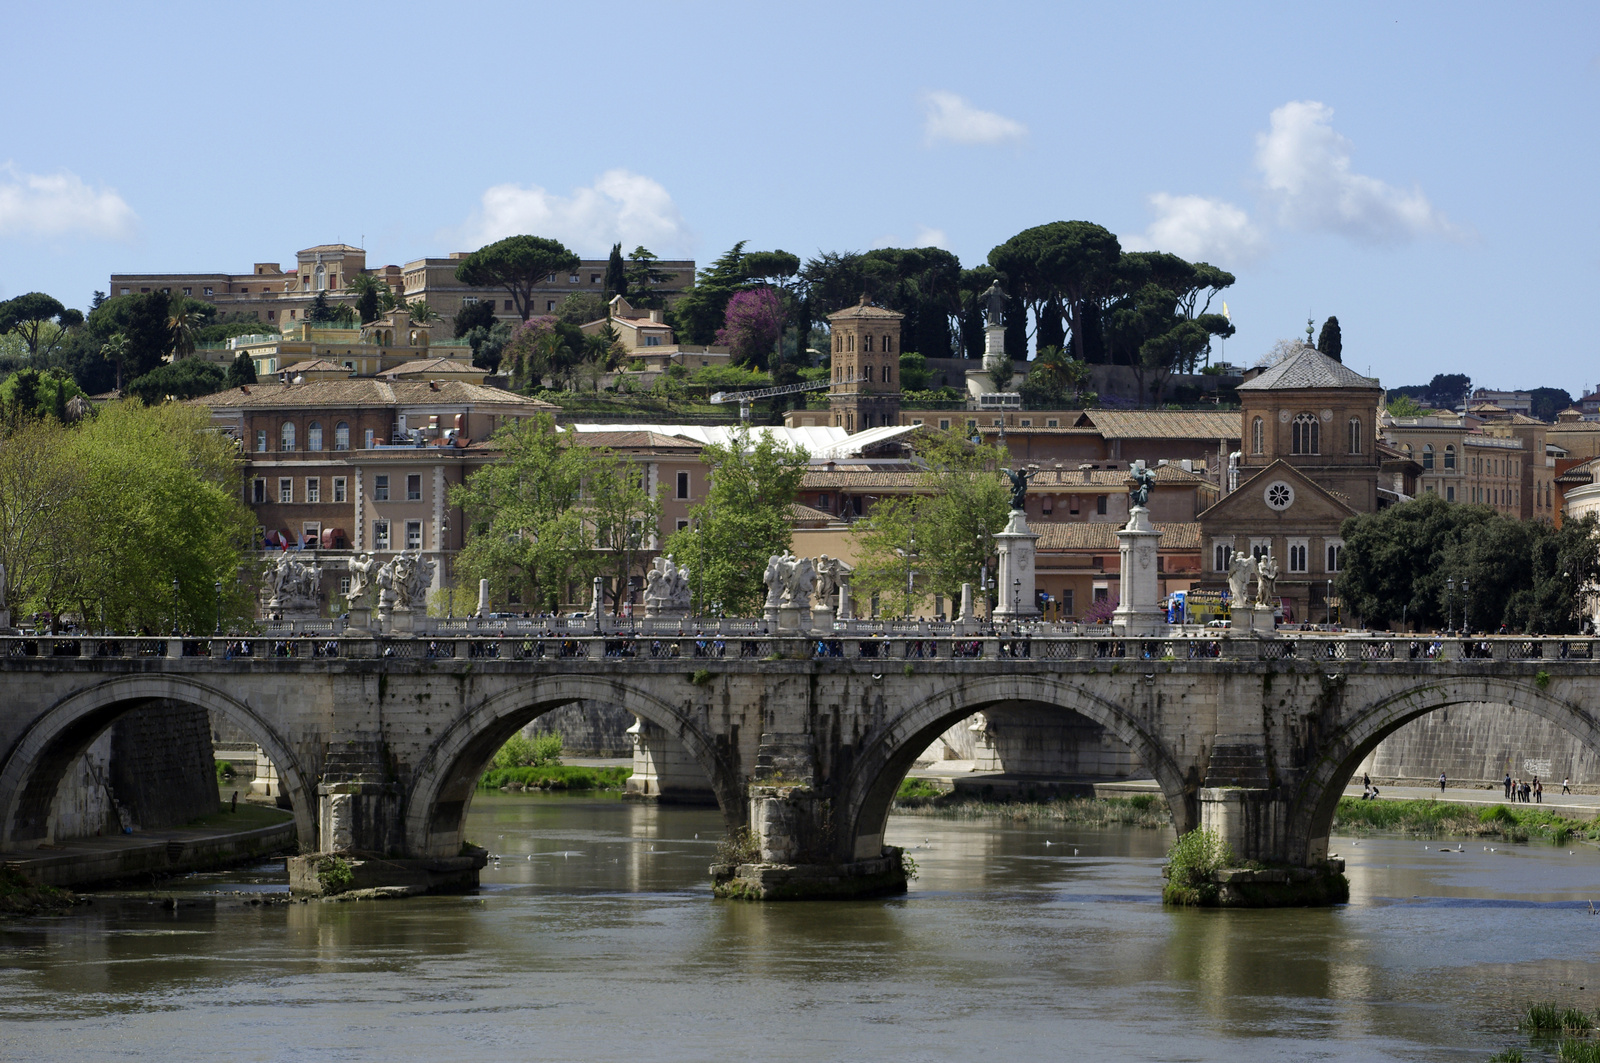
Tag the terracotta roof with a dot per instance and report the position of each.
(330, 247)
(1575, 426)
(835, 478)
(623, 440)
(864, 309)
(800, 514)
(424, 366)
(1103, 536)
(316, 365)
(1043, 480)
(365, 391)
(1166, 424)
(1308, 368)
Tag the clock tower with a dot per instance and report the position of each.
(865, 388)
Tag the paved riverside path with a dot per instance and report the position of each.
(1576, 805)
(175, 850)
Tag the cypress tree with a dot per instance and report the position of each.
(616, 274)
(1328, 341)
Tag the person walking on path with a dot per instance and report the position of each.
(1566, 788)
(1508, 786)
(1441, 783)
(1538, 791)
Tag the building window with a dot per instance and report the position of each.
(1355, 435)
(414, 487)
(1450, 456)
(380, 535)
(1258, 436)
(594, 278)
(313, 489)
(866, 343)
(824, 502)
(1307, 434)
(1297, 556)
(380, 488)
(549, 306)
(944, 423)
(1027, 422)
(1054, 423)
(572, 278)
(188, 291)
(261, 440)
(314, 435)
(368, 437)
(286, 436)
(683, 485)
(1427, 457)
(285, 490)
(682, 524)
(338, 489)
(1221, 557)
(1335, 556)
(344, 584)
(888, 345)
(1449, 494)
(258, 491)
(1100, 505)
(413, 535)
(1260, 548)
(341, 436)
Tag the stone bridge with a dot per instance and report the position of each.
(380, 742)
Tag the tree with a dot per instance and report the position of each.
(488, 343)
(370, 293)
(1065, 263)
(753, 322)
(1405, 406)
(319, 312)
(703, 308)
(517, 264)
(188, 379)
(477, 314)
(40, 320)
(616, 274)
(526, 531)
(580, 308)
(1547, 402)
(143, 322)
(643, 277)
(1448, 390)
(1329, 342)
(241, 372)
(29, 393)
(183, 320)
(1157, 320)
(914, 372)
(961, 501)
(743, 521)
(1057, 381)
(624, 516)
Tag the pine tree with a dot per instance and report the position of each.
(616, 274)
(1328, 341)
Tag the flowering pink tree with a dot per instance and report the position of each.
(1099, 611)
(752, 325)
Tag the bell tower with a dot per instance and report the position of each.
(865, 388)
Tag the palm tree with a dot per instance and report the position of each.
(371, 296)
(181, 322)
(421, 312)
(115, 351)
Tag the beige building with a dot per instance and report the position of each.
(434, 281)
(268, 293)
(865, 388)
(1490, 457)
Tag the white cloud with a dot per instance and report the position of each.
(929, 237)
(61, 204)
(949, 117)
(1305, 167)
(620, 206)
(1201, 230)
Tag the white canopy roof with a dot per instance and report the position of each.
(819, 443)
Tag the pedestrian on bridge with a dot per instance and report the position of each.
(1566, 788)
(1441, 783)
(1508, 786)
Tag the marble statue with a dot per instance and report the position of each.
(1143, 480)
(363, 570)
(832, 574)
(1267, 582)
(1241, 570)
(1019, 487)
(666, 586)
(292, 582)
(404, 581)
(773, 578)
(790, 580)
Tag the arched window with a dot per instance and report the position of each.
(286, 436)
(1355, 435)
(1307, 434)
(888, 345)
(868, 371)
(888, 372)
(836, 347)
(1407, 448)
(852, 341)
(1258, 436)
(866, 343)
(314, 435)
(1450, 456)
(341, 436)
(1427, 457)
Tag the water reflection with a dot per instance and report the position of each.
(595, 934)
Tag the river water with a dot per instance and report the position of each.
(595, 937)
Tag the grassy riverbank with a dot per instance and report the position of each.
(919, 797)
(20, 896)
(1518, 823)
(555, 777)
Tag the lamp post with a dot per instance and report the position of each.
(1327, 604)
(175, 603)
(1466, 604)
(219, 607)
(1016, 599)
(1450, 604)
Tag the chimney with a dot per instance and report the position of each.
(657, 318)
(1087, 478)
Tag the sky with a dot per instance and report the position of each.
(1426, 172)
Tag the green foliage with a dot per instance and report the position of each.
(187, 379)
(488, 345)
(743, 520)
(132, 333)
(1548, 1018)
(919, 788)
(1573, 1050)
(700, 677)
(922, 400)
(334, 874)
(1440, 818)
(1547, 402)
(522, 752)
(1509, 1055)
(555, 777)
(1191, 862)
(580, 308)
(1057, 381)
(517, 264)
(730, 377)
(474, 315)
(102, 517)
(923, 283)
(644, 279)
(372, 296)
(741, 846)
(961, 502)
(623, 516)
(39, 320)
(908, 867)
(227, 330)
(1329, 341)
(914, 372)
(702, 309)
(241, 372)
(1526, 575)
(1405, 406)
(28, 393)
(616, 274)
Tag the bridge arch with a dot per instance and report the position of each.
(32, 770)
(447, 774)
(1316, 799)
(887, 754)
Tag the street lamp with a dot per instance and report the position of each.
(219, 607)
(1016, 599)
(1327, 604)
(175, 602)
(1450, 604)
(1466, 604)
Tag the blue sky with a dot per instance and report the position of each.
(1428, 174)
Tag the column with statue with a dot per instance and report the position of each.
(1139, 611)
(1016, 547)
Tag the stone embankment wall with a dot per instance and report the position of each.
(151, 769)
(588, 729)
(1478, 744)
(1027, 741)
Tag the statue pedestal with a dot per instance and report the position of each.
(1016, 547)
(1253, 620)
(662, 611)
(793, 618)
(360, 619)
(844, 601)
(770, 612)
(966, 604)
(822, 618)
(402, 622)
(1138, 609)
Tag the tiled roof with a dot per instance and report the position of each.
(1053, 480)
(316, 365)
(329, 247)
(646, 438)
(365, 391)
(1576, 426)
(424, 366)
(864, 309)
(1166, 424)
(1308, 368)
(1081, 536)
(836, 478)
(799, 514)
